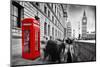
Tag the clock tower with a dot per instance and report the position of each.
(84, 26)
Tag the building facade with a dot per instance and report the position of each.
(73, 33)
(69, 30)
(52, 18)
(84, 26)
(91, 36)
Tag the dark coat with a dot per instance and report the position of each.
(69, 58)
(62, 48)
(52, 50)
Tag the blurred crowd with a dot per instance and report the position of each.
(57, 51)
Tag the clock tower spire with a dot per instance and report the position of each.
(84, 26)
(84, 13)
(84, 19)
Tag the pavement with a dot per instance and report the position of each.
(16, 54)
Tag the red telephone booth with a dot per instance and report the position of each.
(30, 38)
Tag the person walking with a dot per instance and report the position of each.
(51, 50)
(61, 46)
(68, 53)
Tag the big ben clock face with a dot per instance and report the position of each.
(84, 21)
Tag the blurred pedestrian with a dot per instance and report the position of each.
(69, 57)
(61, 49)
(51, 50)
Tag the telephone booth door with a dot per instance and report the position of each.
(37, 40)
(30, 39)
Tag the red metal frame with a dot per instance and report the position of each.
(33, 26)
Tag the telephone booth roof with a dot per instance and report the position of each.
(30, 20)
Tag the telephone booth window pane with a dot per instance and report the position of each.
(36, 40)
(26, 41)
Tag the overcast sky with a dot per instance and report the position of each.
(75, 14)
